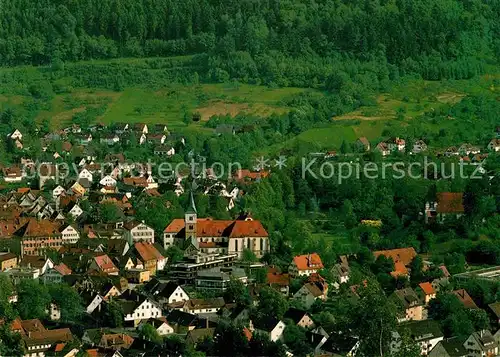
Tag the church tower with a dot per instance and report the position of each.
(190, 219)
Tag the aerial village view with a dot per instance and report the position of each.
(250, 178)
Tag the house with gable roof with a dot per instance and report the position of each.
(426, 333)
(447, 204)
(160, 324)
(36, 339)
(411, 303)
(56, 273)
(494, 145)
(39, 235)
(315, 288)
(149, 256)
(383, 148)
(464, 297)
(137, 307)
(428, 291)
(305, 265)
(135, 231)
(104, 264)
(165, 293)
(402, 258)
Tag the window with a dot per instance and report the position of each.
(236, 245)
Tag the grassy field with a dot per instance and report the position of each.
(339, 242)
(396, 108)
(168, 105)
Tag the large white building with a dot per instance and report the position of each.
(218, 236)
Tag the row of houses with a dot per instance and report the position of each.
(398, 144)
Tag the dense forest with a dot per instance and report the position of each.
(449, 38)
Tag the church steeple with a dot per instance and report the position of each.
(190, 218)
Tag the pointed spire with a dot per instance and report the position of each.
(192, 206)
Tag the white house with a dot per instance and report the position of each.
(59, 190)
(383, 148)
(137, 232)
(494, 145)
(138, 307)
(107, 181)
(309, 293)
(396, 144)
(86, 174)
(76, 211)
(16, 135)
(305, 265)
(419, 146)
(467, 149)
(160, 325)
(151, 182)
(166, 293)
(54, 312)
(95, 302)
(271, 327)
(164, 150)
(69, 234)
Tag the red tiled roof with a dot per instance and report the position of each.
(399, 270)
(445, 271)
(9, 226)
(207, 244)
(33, 325)
(175, 226)
(221, 228)
(59, 347)
(41, 228)
(427, 288)
(247, 229)
(465, 299)
(274, 278)
(147, 251)
(308, 261)
(92, 353)
(13, 171)
(247, 333)
(136, 181)
(245, 174)
(38, 338)
(403, 255)
(450, 202)
(105, 263)
(62, 269)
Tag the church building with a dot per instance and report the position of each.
(217, 236)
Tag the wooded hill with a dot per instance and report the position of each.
(435, 38)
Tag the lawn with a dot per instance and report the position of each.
(339, 242)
